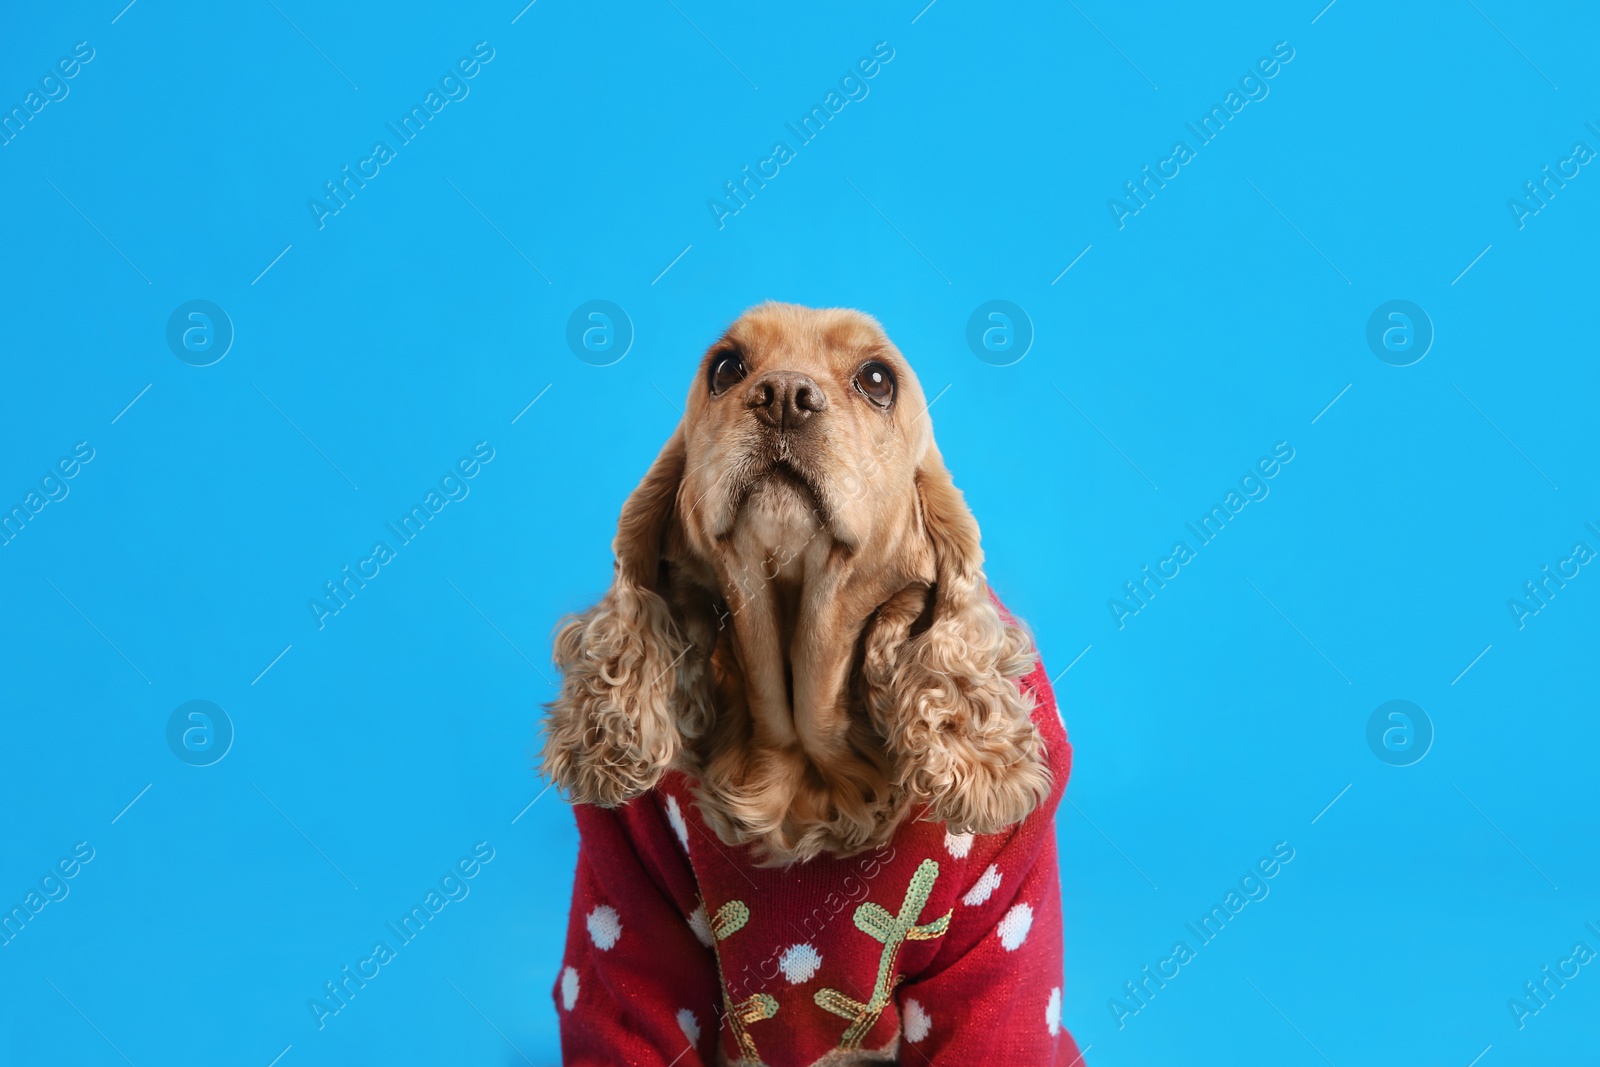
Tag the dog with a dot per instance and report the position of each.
(814, 762)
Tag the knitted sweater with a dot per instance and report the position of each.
(681, 952)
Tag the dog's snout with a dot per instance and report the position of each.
(784, 399)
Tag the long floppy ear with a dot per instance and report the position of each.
(627, 679)
(946, 696)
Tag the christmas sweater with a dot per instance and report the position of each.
(934, 949)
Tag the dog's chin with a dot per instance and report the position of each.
(781, 495)
(783, 477)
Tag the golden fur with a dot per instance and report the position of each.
(798, 620)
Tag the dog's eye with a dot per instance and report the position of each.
(727, 371)
(876, 383)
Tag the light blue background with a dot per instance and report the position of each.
(1223, 318)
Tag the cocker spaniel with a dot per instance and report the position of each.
(799, 654)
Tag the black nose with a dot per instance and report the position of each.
(784, 400)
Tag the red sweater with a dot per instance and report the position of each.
(682, 952)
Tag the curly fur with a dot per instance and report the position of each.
(949, 706)
(790, 810)
(614, 729)
(947, 699)
(632, 687)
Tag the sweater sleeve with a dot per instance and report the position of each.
(637, 985)
(994, 993)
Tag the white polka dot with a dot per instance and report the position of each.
(691, 1026)
(700, 925)
(675, 817)
(983, 888)
(605, 926)
(916, 1022)
(799, 963)
(958, 844)
(569, 988)
(1013, 929)
(1052, 1012)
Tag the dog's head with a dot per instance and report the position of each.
(798, 618)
